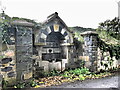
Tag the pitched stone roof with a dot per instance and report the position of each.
(53, 17)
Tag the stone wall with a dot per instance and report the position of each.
(96, 59)
(16, 52)
(7, 59)
(105, 62)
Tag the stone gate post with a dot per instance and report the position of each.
(24, 50)
(90, 49)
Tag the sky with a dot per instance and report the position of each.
(83, 13)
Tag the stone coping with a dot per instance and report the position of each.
(62, 44)
(89, 33)
(22, 23)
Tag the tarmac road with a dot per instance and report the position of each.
(107, 82)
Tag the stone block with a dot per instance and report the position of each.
(85, 58)
(6, 69)
(106, 54)
(5, 65)
(27, 41)
(19, 41)
(4, 47)
(24, 49)
(19, 75)
(64, 61)
(51, 66)
(23, 75)
(88, 64)
(9, 53)
(23, 66)
(11, 64)
(6, 60)
(11, 74)
(55, 66)
(58, 66)
(27, 75)
(24, 59)
(106, 58)
(46, 65)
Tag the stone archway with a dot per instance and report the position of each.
(53, 46)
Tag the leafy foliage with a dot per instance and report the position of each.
(77, 73)
(114, 50)
(66, 76)
(5, 25)
(109, 37)
(80, 29)
(112, 27)
(20, 85)
(4, 83)
(33, 83)
(77, 30)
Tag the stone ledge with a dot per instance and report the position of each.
(89, 33)
(22, 23)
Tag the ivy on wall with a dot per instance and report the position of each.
(112, 27)
(109, 37)
(114, 50)
(8, 29)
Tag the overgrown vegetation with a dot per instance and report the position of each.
(109, 37)
(7, 27)
(57, 78)
(77, 30)
(112, 27)
(4, 84)
(113, 49)
(80, 29)
(109, 34)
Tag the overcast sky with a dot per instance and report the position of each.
(84, 13)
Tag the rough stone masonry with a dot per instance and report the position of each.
(44, 47)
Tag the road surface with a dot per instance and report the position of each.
(107, 82)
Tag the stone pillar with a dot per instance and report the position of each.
(40, 56)
(40, 66)
(24, 52)
(90, 49)
(66, 58)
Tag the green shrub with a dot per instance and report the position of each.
(20, 85)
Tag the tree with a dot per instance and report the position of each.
(109, 33)
(112, 27)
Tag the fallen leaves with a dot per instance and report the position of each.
(37, 86)
(58, 80)
(49, 81)
(66, 77)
